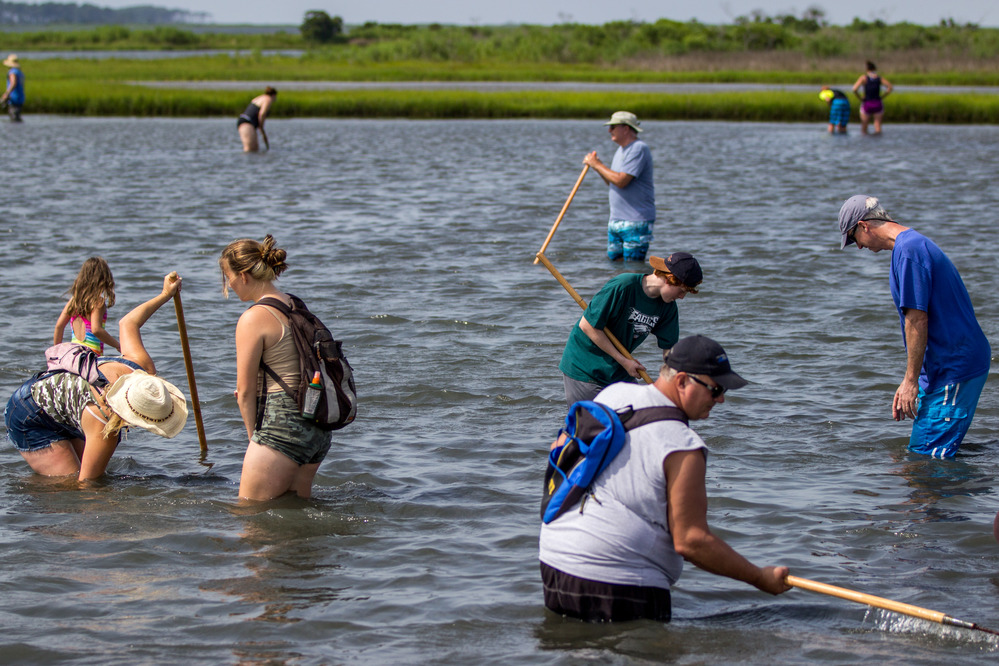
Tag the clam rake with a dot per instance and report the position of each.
(887, 604)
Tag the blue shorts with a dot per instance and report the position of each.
(839, 112)
(943, 417)
(29, 428)
(628, 239)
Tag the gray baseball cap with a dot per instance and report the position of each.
(856, 208)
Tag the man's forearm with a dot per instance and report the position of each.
(916, 336)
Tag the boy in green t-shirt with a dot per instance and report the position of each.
(631, 306)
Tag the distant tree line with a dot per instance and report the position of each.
(624, 41)
(320, 28)
(53, 13)
(630, 44)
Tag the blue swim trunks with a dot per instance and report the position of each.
(839, 112)
(629, 240)
(943, 417)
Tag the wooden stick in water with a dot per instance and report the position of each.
(182, 327)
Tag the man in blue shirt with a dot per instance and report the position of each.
(632, 195)
(948, 355)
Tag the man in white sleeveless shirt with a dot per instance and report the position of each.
(647, 512)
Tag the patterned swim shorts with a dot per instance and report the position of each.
(628, 239)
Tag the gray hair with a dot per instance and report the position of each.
(667, 373)
(877, 214)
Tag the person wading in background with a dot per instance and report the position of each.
(632, 194)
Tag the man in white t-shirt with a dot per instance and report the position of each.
(616, 559)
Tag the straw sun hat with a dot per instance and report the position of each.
(11, 61)
(149, 402)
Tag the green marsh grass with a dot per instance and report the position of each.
(256, 67)
(107, 87)
(120, 99)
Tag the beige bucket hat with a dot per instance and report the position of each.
(625, 118)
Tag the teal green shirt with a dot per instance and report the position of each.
(621, 306)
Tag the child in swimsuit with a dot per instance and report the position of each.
(86, 311)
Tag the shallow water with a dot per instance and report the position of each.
(415, 242)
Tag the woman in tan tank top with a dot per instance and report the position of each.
(285, 450)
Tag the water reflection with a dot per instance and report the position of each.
(932, 481)
(288, 557)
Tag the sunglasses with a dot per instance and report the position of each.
(852, 236)
(717, 390)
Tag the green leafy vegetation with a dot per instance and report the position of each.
(615, 44)
(320, 28)
(757, 49)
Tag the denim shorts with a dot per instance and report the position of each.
(29, 428)
(284, 430)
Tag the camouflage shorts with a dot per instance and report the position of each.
(285, 431)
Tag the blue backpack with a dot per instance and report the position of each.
(595, 434)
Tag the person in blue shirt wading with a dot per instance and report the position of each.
(947, 354)
(631, 306)
(14, 95)
(632, 195)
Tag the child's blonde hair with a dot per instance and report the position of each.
(93, 287)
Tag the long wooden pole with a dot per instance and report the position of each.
(182, 326)
(880, 602)
(579, 300)
(544, 246)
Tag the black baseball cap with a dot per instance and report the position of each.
(700, 355)
(682, 265)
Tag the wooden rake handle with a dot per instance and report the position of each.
(196, 404)
(881, 602)
(544, 246)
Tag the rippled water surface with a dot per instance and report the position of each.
(414, 240)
